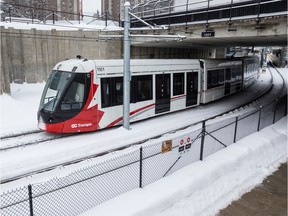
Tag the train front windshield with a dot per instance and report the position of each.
(65, 90)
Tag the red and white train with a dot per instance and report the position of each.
(87, 95)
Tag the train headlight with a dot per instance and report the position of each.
(41, 124)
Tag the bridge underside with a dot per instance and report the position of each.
(271, 31)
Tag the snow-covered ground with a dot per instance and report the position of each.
(205, 187)
(211, 184)
(19, 110)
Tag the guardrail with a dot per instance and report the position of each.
(137, 168)
(13, 12)
(203, 12)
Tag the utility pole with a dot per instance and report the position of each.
(126, 66)
(127, 73)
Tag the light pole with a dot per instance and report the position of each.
(126, 68)
(127, 73)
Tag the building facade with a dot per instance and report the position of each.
(114, 8)
(42, 9)
(65, 9)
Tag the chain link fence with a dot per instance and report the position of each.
(91, 186)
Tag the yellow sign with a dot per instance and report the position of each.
(166, 146)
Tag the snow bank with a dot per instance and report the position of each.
(19, 110)
(207, 186)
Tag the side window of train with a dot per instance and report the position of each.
(141, 88)
(105, 92)
(215, 78)
(178, 84)
(118, 90)
(111, 91)
(239, 74)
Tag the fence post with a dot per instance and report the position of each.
(32, 18)
(30, 199)
(202, 139)
(259, 120)
(235, 131)
(119, 20)
(10, 19)
(106, 18)
(141, 159)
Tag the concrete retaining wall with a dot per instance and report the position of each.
(29, 55)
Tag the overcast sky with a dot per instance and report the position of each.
(91, 5)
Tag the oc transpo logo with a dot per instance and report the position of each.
(81, 125)
(73, 125)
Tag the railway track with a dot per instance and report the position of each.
(27, 139)
(14, 135)
(21, 140)
(48, 137)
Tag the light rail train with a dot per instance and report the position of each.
(86, 95)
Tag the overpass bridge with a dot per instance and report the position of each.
(238, 23)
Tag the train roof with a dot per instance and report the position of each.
(75, 65)
(115, 66)
(212, 63)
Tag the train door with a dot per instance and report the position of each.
(191, 89)
(163, 93)
(227, 81)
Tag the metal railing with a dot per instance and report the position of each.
(12, 12)
(205, 11)
(139, 167)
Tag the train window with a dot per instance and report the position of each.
(141, 88)
(178, 84)
(228, 75)
(236, 74)
(117, 87)
(215, 78)
(233, 76)
(105, 92)
(221, 77)
(75, 95)
(239, 75)
(111, 91)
